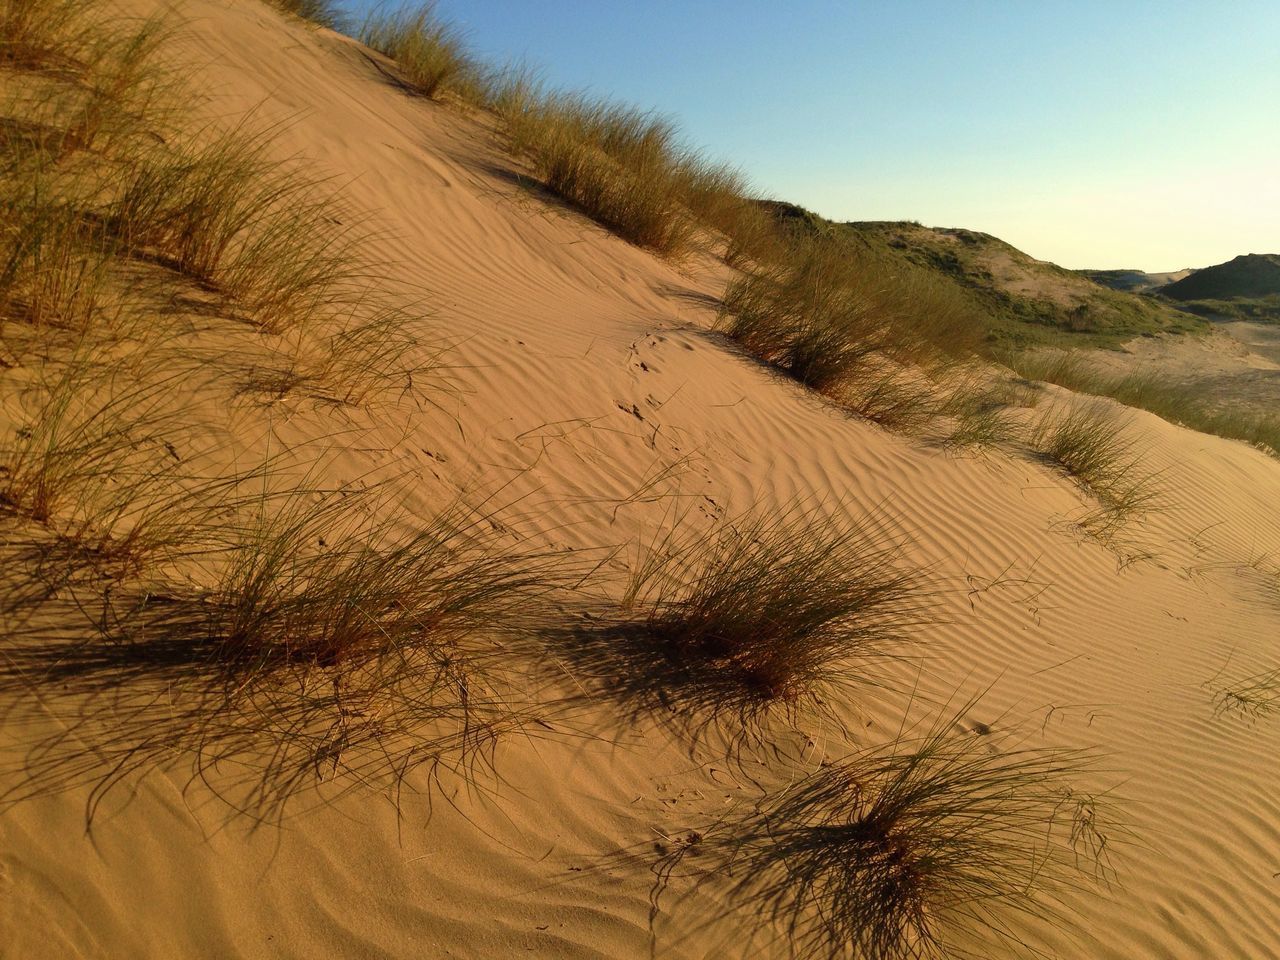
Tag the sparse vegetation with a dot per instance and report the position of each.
(1174, 402)
(239, 224)
(622, 166)
(82, 432)
(329, 640)
(1257, 309)
(276, 635)
(925, 848)
(1254, 696)
(43, 34)
(981, 416)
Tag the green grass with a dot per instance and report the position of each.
(1257, 309)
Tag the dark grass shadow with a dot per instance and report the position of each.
(648, 674)
(102, 690)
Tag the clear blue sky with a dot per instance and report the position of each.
(1103, 134)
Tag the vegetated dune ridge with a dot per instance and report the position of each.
(1248, 275)
(588, 373)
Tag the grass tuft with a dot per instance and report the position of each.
(771, 612)
(43, 34)
(924, 849)
(430, 52)
(1088, 442)
(80, 433)
(323, 13)
(236, 222)
(327, 651)
(834, 321)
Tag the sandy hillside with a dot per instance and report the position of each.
(1236, 365)
(590, 398)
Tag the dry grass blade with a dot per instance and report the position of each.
(925, 849)
(1254, 696)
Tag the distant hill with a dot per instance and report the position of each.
(1249, 276)
(1030, 301)
(1134, 281)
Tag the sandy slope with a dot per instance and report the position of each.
(587, 370)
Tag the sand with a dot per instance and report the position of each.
(587, 367)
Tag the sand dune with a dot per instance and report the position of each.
(587, 369)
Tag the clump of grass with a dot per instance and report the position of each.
(1088, 442)
(230, 218)
(926, 848)
(808, 317)
(430, 52)
(770, 613)
(753, 236)
(1254, 696)
(53, 265)
(323, 13)
(126, 92)
(102, 84)
(301, 587)
(81, 432)
(981, 416)
(622, 166)
(638, 203)
(321, 647)
(43, 34)
(897, 398)
(836, 322)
